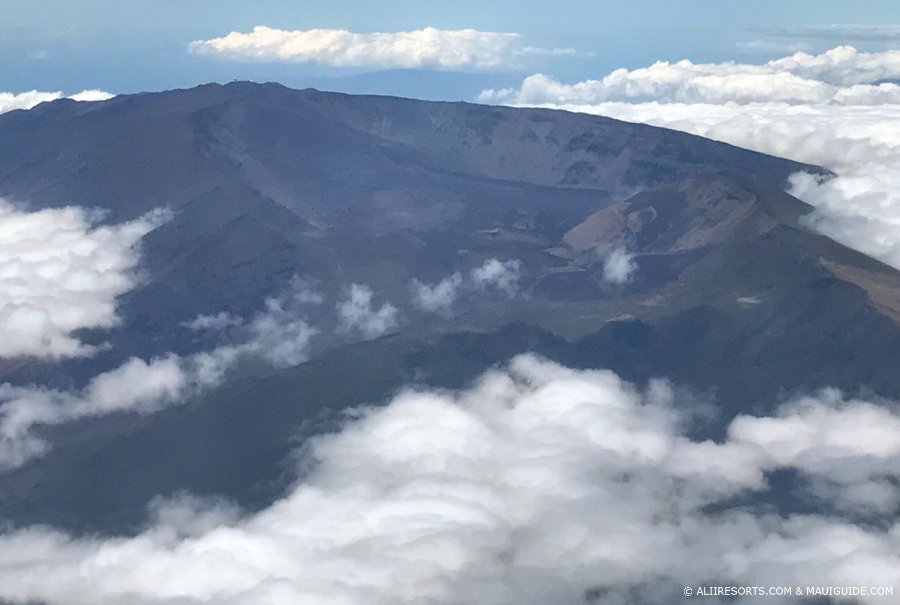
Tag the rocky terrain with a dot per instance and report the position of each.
(647, 251)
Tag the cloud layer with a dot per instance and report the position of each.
(823, 109)
(424, 48)
(538, 485)
(60, 272)
(841, 76)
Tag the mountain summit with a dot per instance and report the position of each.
(469, 233)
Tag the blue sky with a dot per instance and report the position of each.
(143, 45)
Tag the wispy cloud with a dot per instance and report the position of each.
(842, 33)
(278, 334)
(503, 276)
(439, 297)
(357, 313)
(426, 48)
(772, 46)
(137, 386)
(213, 322)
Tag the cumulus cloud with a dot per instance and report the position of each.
(539, 484)
(847, 122)
(424, 48)
(618, 266)
(842, 65)
(26, 100)
(439, 297)
(61, 271)
(841, 76)
(500, 275)
(356, 313)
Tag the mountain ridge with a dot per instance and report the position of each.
(728, 292)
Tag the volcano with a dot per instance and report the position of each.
(721, 286)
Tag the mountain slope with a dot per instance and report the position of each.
(727, 292)
(277, 181)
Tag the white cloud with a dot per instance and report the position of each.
(357, 315)
(91, 95)
(843, 65)
(278, 334)
(502, 275)
(853, 129)
(811, 435)
(439, 297)
(842, 76)
(26, 100)
(428, 47)
(490, 277)
(136, 385)
(59, 272)
(618, 266)
(850, 449)
(538, 485)
(860, 208)
(219, 321)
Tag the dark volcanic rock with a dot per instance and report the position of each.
(733, 297)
